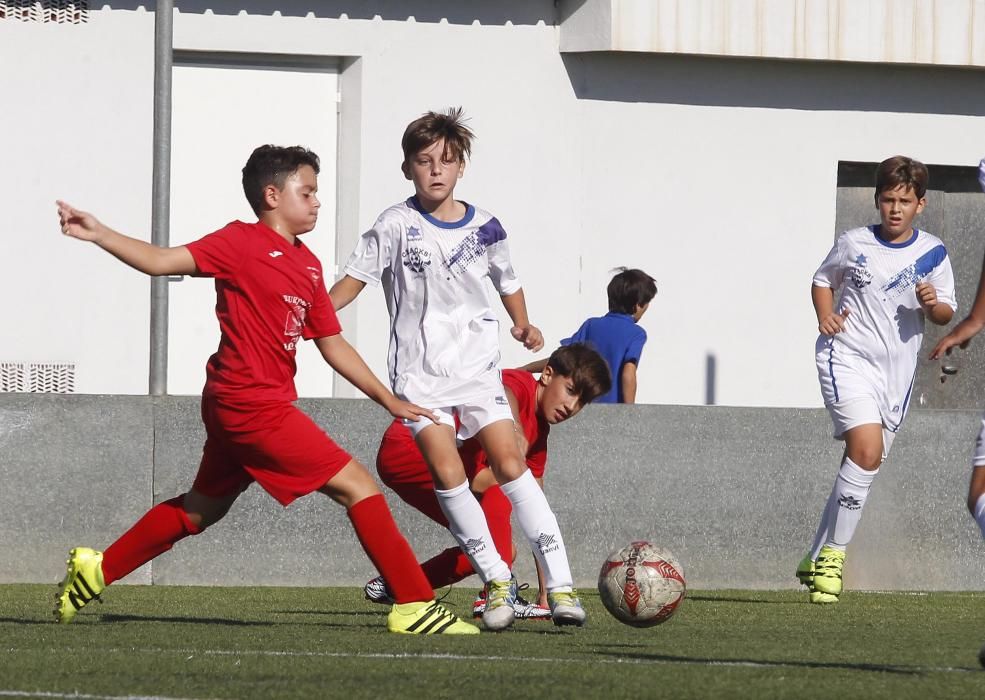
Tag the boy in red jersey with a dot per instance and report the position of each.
(270, 295)
(574, 376)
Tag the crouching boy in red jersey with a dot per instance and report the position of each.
(270, 295)
(574, 376)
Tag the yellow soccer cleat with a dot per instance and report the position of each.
(805, 572)
(499, 612)
(426, 618)
(82, 584)
(827, 573)
(566, 608)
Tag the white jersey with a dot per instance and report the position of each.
(876, 353)
(444, 334)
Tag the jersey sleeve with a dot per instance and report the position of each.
(635, 349)
(321, 321)
(580, 335)
(373, 253)
(219, 254)
(942, 277)
(832, 270)
(501, 272)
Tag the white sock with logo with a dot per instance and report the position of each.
(846, 503)
(467, 524)
(538, 523)
(980, 513)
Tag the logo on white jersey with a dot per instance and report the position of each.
(861, 277)
(275, 253)
(417, 259)
(414, 234)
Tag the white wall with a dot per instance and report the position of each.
(717, 176)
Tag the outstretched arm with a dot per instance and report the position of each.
(344, 359)
(140, 255)
(968, 328)
(344, 291)
(516, 307)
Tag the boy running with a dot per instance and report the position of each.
(872, 294)
(434, 254)
(270, 295)
(960, 336)
(575, 376)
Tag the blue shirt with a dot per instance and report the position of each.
(618, 339)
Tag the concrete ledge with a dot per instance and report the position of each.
(734, 492)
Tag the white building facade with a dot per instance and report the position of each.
(698, 140)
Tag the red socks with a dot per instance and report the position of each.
(451, 565)
(389, 551)
(153, 534)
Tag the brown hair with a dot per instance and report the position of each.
(431, 127)
(272, 165)
(901, 171)
(588, 370)
(629, 289)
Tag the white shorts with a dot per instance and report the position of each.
(978, 460)
(472, 416)
(849, 414)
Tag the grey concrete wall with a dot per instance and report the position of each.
(734, 492)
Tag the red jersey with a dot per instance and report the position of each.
(269, 295)
(399, 460)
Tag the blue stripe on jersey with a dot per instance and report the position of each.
(469, 215)
(906, 403)
(920, 268)
(876, 228)
(831, 370)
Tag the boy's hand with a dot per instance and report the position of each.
(399, 408)
(926, 295)
(77, 224)
(833, 323)
(530, 336)
(959, 336)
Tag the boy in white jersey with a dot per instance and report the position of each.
(872, 294)
(433, 255)
(961, 335)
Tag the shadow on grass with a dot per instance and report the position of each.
(759, 663)
(726, 599)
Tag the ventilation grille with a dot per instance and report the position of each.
(37, 378)
(58, 11)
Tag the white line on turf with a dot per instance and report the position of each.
(80, 696)
(526, 659)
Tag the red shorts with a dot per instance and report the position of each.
(277, 446)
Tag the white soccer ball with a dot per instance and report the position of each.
(642, 585)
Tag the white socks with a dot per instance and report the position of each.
(538, 523)
(468, 526)
(844, 508)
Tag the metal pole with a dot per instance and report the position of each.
(161, 192)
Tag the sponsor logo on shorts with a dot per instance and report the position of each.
(501, 400)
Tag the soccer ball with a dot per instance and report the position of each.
(642, 585)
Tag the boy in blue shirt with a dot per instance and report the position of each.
(617, 335)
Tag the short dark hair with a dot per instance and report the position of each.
(432, 126)
(902, 171)
(587, 369)
(272, 165)
(629, 289)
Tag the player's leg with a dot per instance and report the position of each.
(466, 521)
(414, 610)
(864, 450)
(217, 485)
(535, 517)
(976, 488)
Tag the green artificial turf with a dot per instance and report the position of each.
(205, 642)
